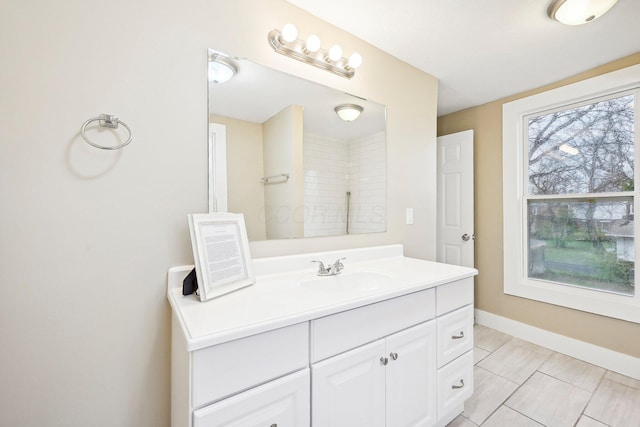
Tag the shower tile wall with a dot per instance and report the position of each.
(326, 179)
(333, 167)
(367, 183)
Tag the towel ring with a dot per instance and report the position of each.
(109, 121)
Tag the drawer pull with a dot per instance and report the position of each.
(394, 356)
(384, 360)
(458, 386)
(457, 337)
(274, 425)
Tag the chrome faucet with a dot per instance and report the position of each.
(331, 270)
(337, 266)
(322, 270)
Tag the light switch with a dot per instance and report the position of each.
(409, 216)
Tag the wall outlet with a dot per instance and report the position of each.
(409, 216)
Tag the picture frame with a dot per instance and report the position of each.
(221, 253)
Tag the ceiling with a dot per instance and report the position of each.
(257, 93)
(483, 50)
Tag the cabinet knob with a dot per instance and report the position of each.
(457, 337)
(458, 386)
(394, 356)
(384, 360)
(274, 425)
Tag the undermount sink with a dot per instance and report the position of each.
(347, 281)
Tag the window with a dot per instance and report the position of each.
(569, 158)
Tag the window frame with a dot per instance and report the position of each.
(515, 167)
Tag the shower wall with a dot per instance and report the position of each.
(368, 184)
(334, 167)
(326, 182)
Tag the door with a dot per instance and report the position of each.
(217, 167)
(455, 233)
(411, 377)
(349, 389)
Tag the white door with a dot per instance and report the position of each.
(217, 167)
(455, 233)
(411, 377)
(348, 390)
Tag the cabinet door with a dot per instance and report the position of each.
(348, 389)
(281, 403)
(411, 377)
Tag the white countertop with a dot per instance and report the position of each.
(279, 299)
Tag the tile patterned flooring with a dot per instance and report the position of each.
(519, 384)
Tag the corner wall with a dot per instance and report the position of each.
(486, 121)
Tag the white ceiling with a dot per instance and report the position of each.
(483, 50)
(257, 93)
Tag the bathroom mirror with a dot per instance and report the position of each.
(280, 154)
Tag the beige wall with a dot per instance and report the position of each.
(245, 191)
(486, 121)
(87, 236)
(282, 153)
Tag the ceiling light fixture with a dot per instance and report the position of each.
(221, 68)
(309, 51)
(348, 112)
(577, 12)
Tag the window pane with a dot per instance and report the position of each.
(583, 243)
(587, 149)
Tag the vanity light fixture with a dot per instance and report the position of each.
(577, 12)
(348, 112)
(286, 42)
(221, 68)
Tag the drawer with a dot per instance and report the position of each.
(221, 370)
(455, 384)
(454, 295)
(283, 402)
(340, 332)
(455, 334)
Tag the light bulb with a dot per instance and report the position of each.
(313, 43)
(289, 33)
(355, 60)
(335, 52)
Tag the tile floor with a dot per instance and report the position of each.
(519, 384)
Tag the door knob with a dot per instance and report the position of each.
(465, 237)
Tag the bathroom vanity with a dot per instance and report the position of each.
(387, 342)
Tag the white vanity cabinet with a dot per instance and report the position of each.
(243, 382)
(390, 382)
(454, 309)
(276, 354)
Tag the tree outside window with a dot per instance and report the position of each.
(580, 195)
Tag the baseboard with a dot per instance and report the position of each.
(590, 353)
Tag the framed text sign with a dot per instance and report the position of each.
(221, 253)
